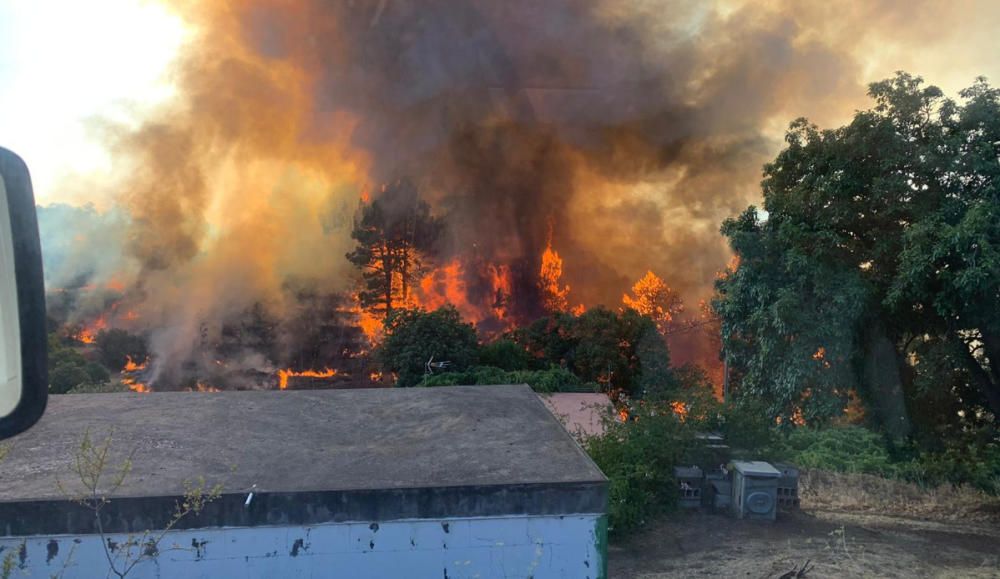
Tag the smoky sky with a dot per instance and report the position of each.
(623, 131)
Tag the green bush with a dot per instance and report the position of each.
(115, 346)
(412, 337)
(638, 456)
(844, 449)
(856, 449)
(68, 369)
(96, 373)
(977, 465)
(65, 377)
(505, 354)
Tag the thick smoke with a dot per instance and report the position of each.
(622, 131)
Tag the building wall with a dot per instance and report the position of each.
(541, 547)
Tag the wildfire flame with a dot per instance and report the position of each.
(284, 375)
(88, 334)
(820, 356)
(203, 387)
(131, 381)
(554, 294)
(370, 324)
(500, 283)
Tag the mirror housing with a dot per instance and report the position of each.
(23, 341)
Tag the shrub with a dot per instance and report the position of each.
(412, 337)
(855, 449)
(977, 465)
(115, 346)
(638, 456)
(96, 373)
(66, 377)
(505, 354)
(844, 449)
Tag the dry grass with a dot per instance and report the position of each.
(865, 493)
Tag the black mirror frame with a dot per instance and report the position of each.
(30, 296)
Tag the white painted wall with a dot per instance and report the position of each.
(514, 547)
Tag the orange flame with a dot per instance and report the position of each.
(132, 382)
(554, 294)
(131, 366)
(284, 375)
(88, 334)
(654, 298)
(202, 387)
(501, 285)
(446, 286)
(820, 356)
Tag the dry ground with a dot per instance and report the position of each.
(849, 526)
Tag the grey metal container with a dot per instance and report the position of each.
(755, 490)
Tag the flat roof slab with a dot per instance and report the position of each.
(311, 456)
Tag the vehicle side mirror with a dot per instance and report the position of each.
(23, 342)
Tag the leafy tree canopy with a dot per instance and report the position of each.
(610, 348)
(115, 346)
(414, 337)
(875, 263)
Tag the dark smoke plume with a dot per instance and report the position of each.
(621, 131)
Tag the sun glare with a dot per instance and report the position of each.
(66, 63)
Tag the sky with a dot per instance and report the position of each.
(111, 59)
(99, 58)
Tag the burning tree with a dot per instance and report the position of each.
(395, 232)
(652, 297)
(555, 296)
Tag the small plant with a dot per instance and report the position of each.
(98, 479)
(8, 564)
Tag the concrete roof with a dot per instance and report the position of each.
(476, 438)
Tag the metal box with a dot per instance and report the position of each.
(722, 495)
(755, 490)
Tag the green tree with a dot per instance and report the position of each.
(394, 233)
(69, 369)
(116, 346)
(96, 374)
(415, 337)
(876, 253)
(614, 349)
(65, 377)
(506, 354)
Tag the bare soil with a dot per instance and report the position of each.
(919, 538)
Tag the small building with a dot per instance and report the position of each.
(583, 414)
(455, 482)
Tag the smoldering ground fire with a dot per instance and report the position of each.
(567, 148)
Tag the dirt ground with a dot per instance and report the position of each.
(843, 541)
(836, 544)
